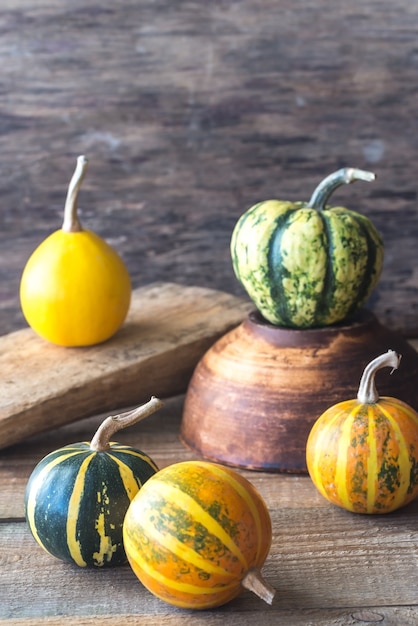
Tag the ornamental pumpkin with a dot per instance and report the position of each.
(76, 497)
(75, 290)
(196, 534)
(304, 264)
(362, 454)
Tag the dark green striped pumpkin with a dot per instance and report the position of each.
(305, 264)
(77, 497)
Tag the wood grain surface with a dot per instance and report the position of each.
(168, 329)
(330, 567)
(190, 112)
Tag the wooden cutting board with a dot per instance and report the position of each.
(168, 329)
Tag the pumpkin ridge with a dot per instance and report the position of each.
(323, 304)
(244, 493)
(342, 458)
(343, 259)
(304, 262)
(370, 275)
(372, 461)
(250, 258)
(50, 461)
(403, 460)
(275, 267)
(236, 245)
(172, 544)
(200, 515)
(127, 476)
(157, 576)
(320, 436)
(73, 542)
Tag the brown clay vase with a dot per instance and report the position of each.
(256, 393)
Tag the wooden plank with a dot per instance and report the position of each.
(190, 112)
(168, 329)
(384, 616)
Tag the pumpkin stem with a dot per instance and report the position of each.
(71, 223)
(346, 175)
(367, 393)
(253, 581)
(113, 423)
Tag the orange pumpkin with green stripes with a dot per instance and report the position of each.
(362, 454)
(76, 497)
(196, 534)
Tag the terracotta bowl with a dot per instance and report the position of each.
(258, 390)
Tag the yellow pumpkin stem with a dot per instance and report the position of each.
(113, 423)
(367, 392)
(325, 188)
(253, 581)
(71, 223)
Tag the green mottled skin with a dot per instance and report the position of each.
(303, 267)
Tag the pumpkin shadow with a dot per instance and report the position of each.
(403, 520)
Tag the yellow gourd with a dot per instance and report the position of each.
(75, 289)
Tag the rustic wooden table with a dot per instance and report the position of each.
(329, 567)
(189, 113)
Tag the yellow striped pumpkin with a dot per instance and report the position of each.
(362, 454)
(76, 497)
(196, 534)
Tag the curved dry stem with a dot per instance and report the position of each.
(71, 223)
(367, 392)
(344, 176)
(253, 581)
(113, 424)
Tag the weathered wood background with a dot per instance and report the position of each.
(191, 111)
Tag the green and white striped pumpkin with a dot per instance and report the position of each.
(77, 496)
(304, 264)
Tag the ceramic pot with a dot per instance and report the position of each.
(256, 393)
